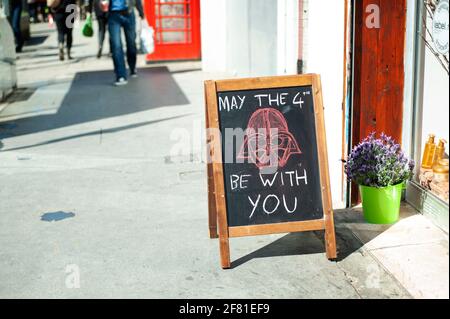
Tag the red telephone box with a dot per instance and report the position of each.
(177, 29)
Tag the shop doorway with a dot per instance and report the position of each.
(177, 29)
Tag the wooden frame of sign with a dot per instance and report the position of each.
(217, 214)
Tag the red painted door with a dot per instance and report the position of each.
(378, 71)
(177, 29)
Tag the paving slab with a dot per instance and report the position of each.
(413, 250)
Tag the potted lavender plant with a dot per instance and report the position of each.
(380, 168)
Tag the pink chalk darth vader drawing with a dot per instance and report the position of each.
(268, 142)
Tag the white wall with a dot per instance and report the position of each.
(252, 37)
(324, 55)
(287, 42)
(249, 37)
(213, 33)
(238, 37)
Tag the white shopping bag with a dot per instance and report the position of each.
(147, 38)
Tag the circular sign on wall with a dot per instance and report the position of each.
(440, 27)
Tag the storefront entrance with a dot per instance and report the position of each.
(177, 29)
(375, 69)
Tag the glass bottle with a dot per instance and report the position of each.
(440, 151)
(440, 171)
(428, 153)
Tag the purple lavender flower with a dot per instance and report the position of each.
(378, 162)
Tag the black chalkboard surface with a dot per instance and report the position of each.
(256, 191)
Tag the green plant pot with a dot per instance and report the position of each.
(381, 205)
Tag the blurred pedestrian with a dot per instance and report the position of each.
(32, 10)
(101, 8)
(64, 17)
(38, 10)
(43, 10)
(13, 12)
(121, 15)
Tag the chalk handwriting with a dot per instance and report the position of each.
(233, 103)
(236, 102)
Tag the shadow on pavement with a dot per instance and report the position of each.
(93, 97)
(186, 70)
(50, 63)
(42, 55)
(36, 40)
(96, 132)
(30, 49)
(305, 243)
(21, 94)
(292, 244)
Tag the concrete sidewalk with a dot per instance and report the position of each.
(95, 203)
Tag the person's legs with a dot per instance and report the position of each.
(69, 21)
(69, 39)
(101, 33)
(130, 37)
(44, 10)
(60, 26)
(32, 12)
(114, 28)
(40, 12)
(109, 38)
(16, 12)
(68, 31)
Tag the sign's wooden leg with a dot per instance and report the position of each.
(212, 208)
(225, 253)
(212, 212)
(212, 216)
(216, 187)
(213, 231)
(330, 237)
(224, 239)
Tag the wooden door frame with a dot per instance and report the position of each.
(378, 72)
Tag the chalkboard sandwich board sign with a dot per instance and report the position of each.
(267, 164)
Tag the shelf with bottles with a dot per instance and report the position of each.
(434, 168)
